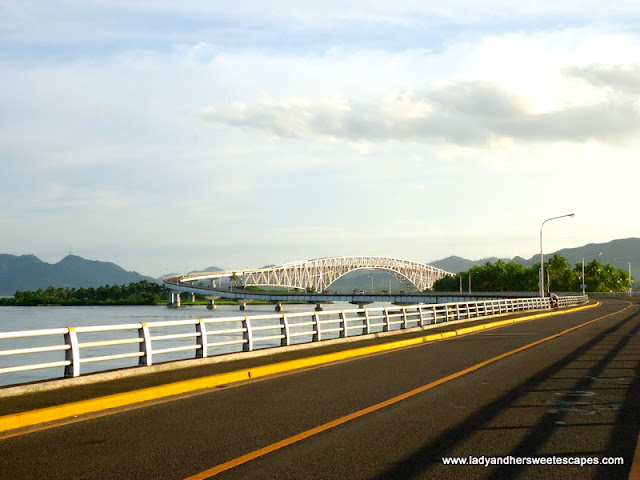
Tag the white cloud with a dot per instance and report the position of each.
(620, 79)
(459, 113)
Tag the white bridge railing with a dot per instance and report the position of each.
(150, 341)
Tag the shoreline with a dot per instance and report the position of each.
(161, 304)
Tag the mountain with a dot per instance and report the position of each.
(455, 264)
(208, 269)
(618, 253)
(28, 272)
(367, 280)
(211, 269)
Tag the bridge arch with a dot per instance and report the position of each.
(319, 274)
(408, 284)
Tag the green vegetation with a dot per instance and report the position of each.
(141, 293)
(504, 277)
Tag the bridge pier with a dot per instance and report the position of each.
(174, 299)
(279, 307)
(211, 305)
(360, 304)
(318, 307)
(243, 303)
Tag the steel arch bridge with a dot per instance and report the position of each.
(319, 274)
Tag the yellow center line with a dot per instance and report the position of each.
(339, 421)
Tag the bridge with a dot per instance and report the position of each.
(557, 387)
(311, 276)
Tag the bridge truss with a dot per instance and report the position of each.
(319, 274)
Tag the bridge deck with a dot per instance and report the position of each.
(563, 386)
(129, 380)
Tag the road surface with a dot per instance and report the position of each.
(564, 388)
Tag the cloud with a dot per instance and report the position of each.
(458, 112)
(620, 78)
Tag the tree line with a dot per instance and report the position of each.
(559, 276)
(140, 293)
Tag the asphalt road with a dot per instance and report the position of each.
(570, 397)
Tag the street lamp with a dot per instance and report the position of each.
(371, 283)
(542, 254)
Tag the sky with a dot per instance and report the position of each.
(172, 136)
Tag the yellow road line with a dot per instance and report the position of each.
(339, 421)
(60, 412)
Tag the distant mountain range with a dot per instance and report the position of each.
(28, 272)
(616, 252)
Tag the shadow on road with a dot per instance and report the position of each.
(621, 442)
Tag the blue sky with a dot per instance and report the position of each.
(171, 136)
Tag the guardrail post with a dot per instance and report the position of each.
(420, 316)
(284, 323)
(385, 326)
(317, 336)
(201, 339)
(343, 323)
(72, 354)
(367, 323)
(145, 346)
(403, 325)
(247, 335)
(435, 314)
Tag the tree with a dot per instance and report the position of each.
(561, 277)
(234, 280)
(492, 277)
(144, 292)
(510, 277)
(604, 278)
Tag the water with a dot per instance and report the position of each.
(36, 318)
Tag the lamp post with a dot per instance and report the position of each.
(371, 283)
(542, 254)
(630, 279)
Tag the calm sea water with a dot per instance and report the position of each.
(36, 318)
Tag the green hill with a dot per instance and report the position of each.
(618, 253)
(28, 272)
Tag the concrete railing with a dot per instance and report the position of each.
(207, 337)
